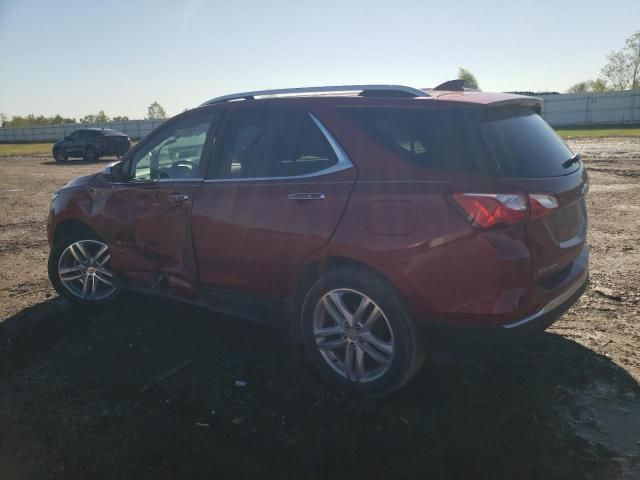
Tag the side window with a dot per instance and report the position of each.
(273, 143)
(313, 152)
(435, 139)
(175, 152)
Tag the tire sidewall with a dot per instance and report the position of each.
(407, 356)
(90, 154)
(54, 258)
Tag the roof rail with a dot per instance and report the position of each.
(409, 91)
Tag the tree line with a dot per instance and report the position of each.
(155, 111)
(621, 72)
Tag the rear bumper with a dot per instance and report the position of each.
(459, 344)
(548, 314)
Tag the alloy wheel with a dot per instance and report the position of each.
(353, 335)
(84, 270)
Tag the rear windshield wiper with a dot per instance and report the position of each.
(575, 159)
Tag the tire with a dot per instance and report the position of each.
(90, 155)
(59, 156)
(372, 358)
(95, 271)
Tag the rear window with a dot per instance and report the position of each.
(445, 140)
(509, 142)
(524, 145)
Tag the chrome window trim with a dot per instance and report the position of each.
(158, 180)
(343, 163)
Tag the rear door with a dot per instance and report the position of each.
(532, 158)
(275, 194)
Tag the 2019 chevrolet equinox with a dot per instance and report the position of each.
(348, 215)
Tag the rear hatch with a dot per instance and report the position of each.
(531, 158)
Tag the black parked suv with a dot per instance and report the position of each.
(91, 144)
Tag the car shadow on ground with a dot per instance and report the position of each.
(148, 388)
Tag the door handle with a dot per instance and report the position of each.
(306, 196)
(178, 198)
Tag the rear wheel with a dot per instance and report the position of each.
(59, 156)
(90, 154)
(80, 270)
(358, 333)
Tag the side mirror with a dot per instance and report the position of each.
(112, 171)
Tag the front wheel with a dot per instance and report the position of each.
(59, 156)
(358, 334)
(80, 270)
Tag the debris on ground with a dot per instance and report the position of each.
(608, 292)
(163, 376)
(29, 375)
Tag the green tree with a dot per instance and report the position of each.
(580, 87)
(598, 85)
(156, 112)
(3, 119)
(622, 70)
(469, 78)
(102, 117)
(122, 118)
(33, 120)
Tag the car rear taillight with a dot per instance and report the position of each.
(485, 210)
(541, 204)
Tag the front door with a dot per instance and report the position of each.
(279, 188)
(150, 215)
(73, 145)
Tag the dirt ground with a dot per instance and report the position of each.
(146, 388)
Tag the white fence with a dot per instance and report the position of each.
(592, 109)
(580, 109)
(51, 133)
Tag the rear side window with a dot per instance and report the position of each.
(436, 139)
(273, 143)
(524, 145)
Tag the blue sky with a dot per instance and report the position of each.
(77, 57)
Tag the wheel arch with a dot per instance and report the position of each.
(68, 227)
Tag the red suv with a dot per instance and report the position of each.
(350, 216)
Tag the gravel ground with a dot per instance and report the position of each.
(83, 393)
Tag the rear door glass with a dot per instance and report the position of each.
(267, 143)
(524, 145)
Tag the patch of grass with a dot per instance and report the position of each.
(8, 149)
(599, 132)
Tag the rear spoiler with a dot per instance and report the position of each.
(456, 85)
(534, 103)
